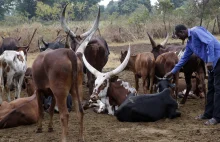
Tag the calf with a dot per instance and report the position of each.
(148, 108)
(142, 65)
(12, 70)
(28, 81)
(195, 64)
(111, 96)
(23, 111)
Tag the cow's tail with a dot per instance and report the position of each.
(73, 59)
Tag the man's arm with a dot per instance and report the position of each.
(187, 53)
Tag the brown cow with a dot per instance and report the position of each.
(96, 53)
(23, 111)
(142, 65)
(164, 64)
(112, 96)
(28, 81)
(195, 64)
(60, 71)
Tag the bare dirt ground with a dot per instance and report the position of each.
(105, 128)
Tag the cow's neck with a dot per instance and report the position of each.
(103, 93)
(131, 63)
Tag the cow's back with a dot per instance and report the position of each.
(9, 44)
(146, 108)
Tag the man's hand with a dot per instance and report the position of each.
(168, 75)
(209, 66)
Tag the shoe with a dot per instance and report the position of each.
(211, 121)
(201, 117)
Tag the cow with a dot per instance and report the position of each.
(142, 65)
(195, 64)
(51, 45)
(61, 72)
(148, 107)
(22, 111)
(112, 96)
(12, 71)
(28, 81)
(164, 64)
(102, 84)
(10, 43)
(96, 53)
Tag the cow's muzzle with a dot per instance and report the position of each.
(94, 97)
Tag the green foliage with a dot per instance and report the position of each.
(140, 15)
(26, 7)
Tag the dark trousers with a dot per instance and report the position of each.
(212, 108)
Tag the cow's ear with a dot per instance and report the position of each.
(114, 78)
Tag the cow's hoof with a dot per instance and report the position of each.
(50, 129)
(39, 130)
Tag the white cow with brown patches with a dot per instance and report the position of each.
(12, 71)
(109, 93)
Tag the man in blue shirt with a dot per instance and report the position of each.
(202, 43)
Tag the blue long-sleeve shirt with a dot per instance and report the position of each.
(203, 44)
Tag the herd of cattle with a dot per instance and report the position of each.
(59, 70)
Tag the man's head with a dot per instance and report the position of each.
(181, 32)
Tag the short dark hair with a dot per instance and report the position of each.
(179, 28)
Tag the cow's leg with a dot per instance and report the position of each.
(51, 112)
(90, 81)
(19, 85)
(77, 97)
(39, 94)
(145, 84)
(8, 83)
(109, 107)
(188, 77)
(64, 114)
(136, 82)
(1, 84)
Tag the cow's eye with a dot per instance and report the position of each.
(104, 83)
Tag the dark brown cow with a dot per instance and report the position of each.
(112, 96)
(164, 64)
(142, 65)
(10, 43)
(60, 71)
(23, 111)
(96, 52)
(195, 64)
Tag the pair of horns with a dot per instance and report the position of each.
(153, 43)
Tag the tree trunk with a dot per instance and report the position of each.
(207, 26)
(213, 29)
(218, 22)
(164, 22)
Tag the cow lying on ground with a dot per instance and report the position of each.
(12, 71)
(149, 107)
(112, 96)
(102, 83)
(22, 111)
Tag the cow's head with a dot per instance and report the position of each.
(164, 83)
(122, 58)
(156, 48)
(102, 79)
(26, 48)
(77, 39)
(50, 45)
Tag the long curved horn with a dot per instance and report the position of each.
(95, 26)
(123, 65)
(90, 68)
(64, 25)
(153, 43)
(45, 43)
(165, 41)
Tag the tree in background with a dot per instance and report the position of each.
(26, 7)
(5, 6)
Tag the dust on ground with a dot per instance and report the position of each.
(106, 128)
